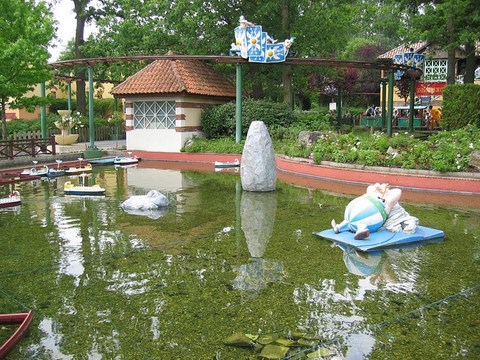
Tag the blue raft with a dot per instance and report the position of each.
(382, 239)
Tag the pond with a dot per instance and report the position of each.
(107, 284)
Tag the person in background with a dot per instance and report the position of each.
(435, 117)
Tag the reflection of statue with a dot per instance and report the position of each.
(257, 212)
(362, 263)
(377, 208)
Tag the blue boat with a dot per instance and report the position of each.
(102, 161)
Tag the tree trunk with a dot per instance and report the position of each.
(286, 69)
(4, 120)
(451, 52)
(470, 63)
(79, 8)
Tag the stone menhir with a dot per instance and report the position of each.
(258, 170)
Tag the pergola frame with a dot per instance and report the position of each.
(386, 65)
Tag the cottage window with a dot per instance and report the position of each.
(435, 70)
(154, 115)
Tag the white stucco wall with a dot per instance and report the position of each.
(158, 139)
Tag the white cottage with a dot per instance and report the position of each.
(164, 101)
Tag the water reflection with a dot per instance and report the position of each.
(162, 288)
(257, 214)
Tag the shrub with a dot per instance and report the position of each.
(461, 106)
(220, 121)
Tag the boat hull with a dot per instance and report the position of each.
(24, 320)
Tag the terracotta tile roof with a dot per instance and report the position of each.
(175, 77)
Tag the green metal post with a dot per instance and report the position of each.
(339, 108)
(43, 112)
(390, 102)
(384, 103)
(238, 110)
(92, 151)
(412, 106)
(91, 122)
(69, 91)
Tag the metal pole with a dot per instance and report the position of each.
(339, 107)
(91, 122)
(43, 112)
(69, 91)
(384, 103)
(238, 110)
(412, 106)
(390, 76)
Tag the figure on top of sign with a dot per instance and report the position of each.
(256, 45)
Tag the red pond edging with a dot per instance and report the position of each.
(413, 182)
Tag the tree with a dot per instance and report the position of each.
(449, 24)
(26, 29)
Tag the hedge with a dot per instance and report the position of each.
(461, 106)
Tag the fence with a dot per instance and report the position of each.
(101, 133)
(28, 147)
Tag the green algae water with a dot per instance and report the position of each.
(107, 284)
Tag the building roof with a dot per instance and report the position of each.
(417, 47)
(176, 77)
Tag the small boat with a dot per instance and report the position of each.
(125, 160)
(79, 170)
(13, 199)
(102, 161)
(82, 190)
(51, 172)
(35, 172)
(219, 164)
(24, 320)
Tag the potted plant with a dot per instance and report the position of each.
(65, 124)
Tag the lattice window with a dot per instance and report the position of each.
(435, 70)
(154, 115)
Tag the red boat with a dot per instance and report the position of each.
(24, 319)
(13, 199)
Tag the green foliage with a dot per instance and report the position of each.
(221, 146)
(220, 121)
(461, 106)
(445, 151)
(26, 29)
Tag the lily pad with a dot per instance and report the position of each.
(267, 339)
(239, 340)
(273, 352)
(320, 353)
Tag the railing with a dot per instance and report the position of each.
(10, 149)
(101, 133)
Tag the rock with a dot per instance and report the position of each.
(308, 138)
(474, 160)
(258, 170)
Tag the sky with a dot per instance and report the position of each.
(64, 15)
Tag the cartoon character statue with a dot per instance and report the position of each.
(377, 208)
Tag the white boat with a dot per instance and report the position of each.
(13, 199)
(34, 171)
(82, 190)
(79, 170)
(51, 172)
(219, 164)
(125, 160)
